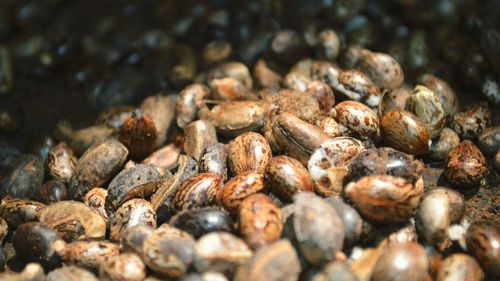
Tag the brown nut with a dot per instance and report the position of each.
(286, 177)
(161, 110)
(199, 135)
(428, 108)
(304, 106)
(403, 131)
(441, 147)
(71, 273)
(189, 101)
(131, 213)
(82, 139)
(384, 199)
(260, 221)
(214, 160)
(197, 191)
(471, 121)
(239, 188)
(329, 126)
(402, 261)
(350, 217)
(394, 100)
(248, 152)
(459, 267)
(466, 165)
(123, 267)
(138, 134)
(18, 211)
(96, 200)
(228, 89)
(265, 76)
(165, 157)
(384, 70)
(323, 94)
(482, 239)
(88, 254)
(357, 120)
(132, 239)
(61, 162)
(357, 86)
(23, 178)
(443, 91)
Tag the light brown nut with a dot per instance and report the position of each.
(18, 211)
(265, 76)
(228, 89)
(427, 107)
(131, 213)
(459, 267)
(188, 103)
(96, 200)
(239, 188)
(441, 146)
(466, 165)
(403, 131)
(248, 152)
(132, 239)
(122, 268)
(302, 105)
(71, 273)
(199, 135)
(165, 157)
(357, 119)
(61, 162)
(88, 254)
(161, 110)
(329, 126)
(286, 177)
(197, 191)
(402, 261)
(471, 121)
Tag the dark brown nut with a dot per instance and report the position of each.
(402, 261)
(139, 134)
(88, 254)
(199, 135)
(23, 178)
(248, 152)
(239, 188)
(425, 104)
(471, 121)
(286, 177)
(329, 126)
(73, 221)
(260, 221)
(237, 117)
(357, 119)
(304, 106)
(115, 116)
(53, 191)
(61, 162)
(297, 138)
(466, 165)
(443, 91)
(335, 271)
(131, 213)
(384, 199)
(165, 157)
(275, 262)
(353, 223)
(95, 199)
(316, 228)
(489, 140)
(394, 100)
(328, 45)
(441, 147)
(266, 77)
(132, 238)
(97, 166)
(32, 272)
(199, 222)
(82, 139)
(169, 251)
(161, 109)
(71, 273)
(188, 103)
(197, 191)
(357, 86)
(166, 188)
(131, 183)
(459, 267)
(123, 267)
(329, 164)
(18, 211)
(36, 242)
(4, 230)
(221, 252)
(323, 94)
(482, 239)
(383, 69)
(214, 160)
(385, 161)
(403, 131)
(439, 208)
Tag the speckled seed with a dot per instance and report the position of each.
(357, 86)
(97, 166)
(439, 208)
(428, 108)
(489, 140)
(189, 101)
(394, 100)
(96, 200)
(199, 135)
(358, 119)
(328, 164)
(353, 223)
(248, 152)
(221, 252)
(403, 131)
(304, 106)
(4, 230)
(297, 138)
(323, 94)
(444, 91)
(316, 227)
(88, 254)
(22, 178)
(466, 165)
(402, 262)
(471, 121)
(441, 147)
(384, 199)
(198, 222)
(286, 177)
(483, 243)
(459, 267)
(197, 191)
(131, 213)
(384, 70)
(73, 221)
(132, 238)
(275, 262)
(123, 267)
(61, 162)
(70, 273)
(329, 126)
(260, 221)
(239, 188)
(214, 160)
(169, 251)
(18, 211)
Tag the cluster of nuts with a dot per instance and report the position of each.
(312, 174)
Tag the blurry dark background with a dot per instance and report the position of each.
(64, 59)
